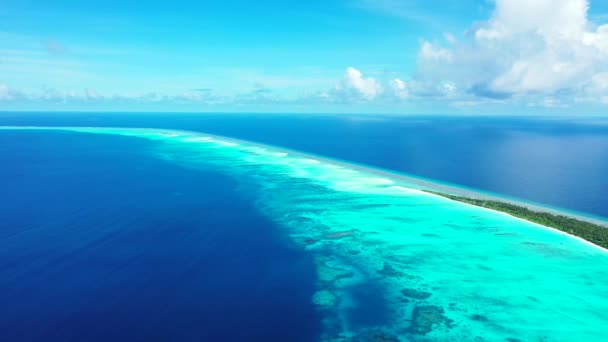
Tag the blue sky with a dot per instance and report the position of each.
(358, 56)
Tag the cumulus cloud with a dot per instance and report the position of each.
(354, 85)
(527, 48)
(399, 88)
(431, 52)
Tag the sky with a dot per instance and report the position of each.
(519, 57)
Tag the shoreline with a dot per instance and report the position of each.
(427, 187)
(561, 232)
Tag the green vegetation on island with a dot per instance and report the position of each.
(591, 232)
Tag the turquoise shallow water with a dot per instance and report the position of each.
(443, 270)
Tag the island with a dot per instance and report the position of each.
(592, 232)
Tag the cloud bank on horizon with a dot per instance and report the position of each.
(519, 55)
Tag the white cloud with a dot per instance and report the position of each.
(527, 48)
(450, 38)
(448, 88)
(399, 88)
(548, 102)
(193, 95)
(92, 94)
(354, 85)
(89, 95)
(435, 53)
(599, 84)
(548, 18)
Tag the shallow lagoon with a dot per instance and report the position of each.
(395, 262)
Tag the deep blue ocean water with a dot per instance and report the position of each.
(101, 242)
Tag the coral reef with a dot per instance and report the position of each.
(324, 298)
(415, 294)
(425, 317)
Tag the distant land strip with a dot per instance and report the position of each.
(594, 233)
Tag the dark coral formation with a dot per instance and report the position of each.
(479, 318)
(431, 235)
(330, 274)
(375, 336)
(309, 241)
(415, 294)
(425, 317)
(389, 271)
(339, 235)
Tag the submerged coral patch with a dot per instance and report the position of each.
(324, 298)
(426, 317)
(415, 294)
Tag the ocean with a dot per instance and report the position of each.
(101, 242)
(171, 234)
(560, 162)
